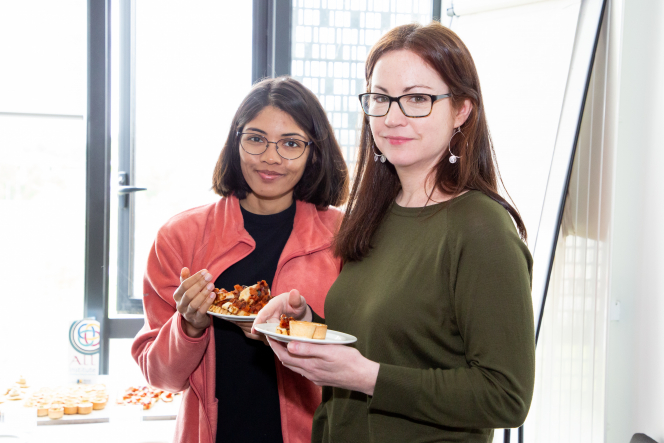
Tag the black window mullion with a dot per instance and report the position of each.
(436, 10)
(97, 210)
(271, 35)
(259, 40)
(279, 37)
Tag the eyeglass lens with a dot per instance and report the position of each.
(288, 148)
(413, 105)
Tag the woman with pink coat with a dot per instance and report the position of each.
(278, 173)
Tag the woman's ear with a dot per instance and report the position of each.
(462, 113)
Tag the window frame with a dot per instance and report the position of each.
(127, 302)
(271, 24)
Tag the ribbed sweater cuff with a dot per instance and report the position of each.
(394, 390)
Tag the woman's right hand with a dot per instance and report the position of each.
(192, 299)
(289, 303)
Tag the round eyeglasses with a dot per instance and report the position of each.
(412, 105)
(287, 148)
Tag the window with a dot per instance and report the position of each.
(42, 183)
(176, 86)
(171, 111)
(330, 42)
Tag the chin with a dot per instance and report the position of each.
(267, 195)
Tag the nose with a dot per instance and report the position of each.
(395, 117)
(271, 156)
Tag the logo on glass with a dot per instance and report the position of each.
(85, 336)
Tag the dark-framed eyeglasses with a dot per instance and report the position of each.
(412, 105)
(287, 148)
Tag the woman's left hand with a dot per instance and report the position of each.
(338, 366)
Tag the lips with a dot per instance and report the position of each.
(269, 175)
(397, 140)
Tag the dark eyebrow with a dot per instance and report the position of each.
(416, 86)
(405, 91)
(290, 134)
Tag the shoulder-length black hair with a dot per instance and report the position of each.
(325, 179)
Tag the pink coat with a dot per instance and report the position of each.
(213, 237)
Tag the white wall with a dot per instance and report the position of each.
(635, 366)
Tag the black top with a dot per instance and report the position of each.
(246, 375)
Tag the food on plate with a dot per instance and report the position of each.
(99, 403)
(14, 394)
(67, 398)
(241, 301)
(42, 410)
(304, 329)
(145, 396)
(284, 324)
(84, 408)
(22, 383)
(55, 413)
(166, 397)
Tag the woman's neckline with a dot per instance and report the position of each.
(414, 211)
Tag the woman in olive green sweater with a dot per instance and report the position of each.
(436, 277)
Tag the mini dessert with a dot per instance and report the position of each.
(42, 410)
(70, 408)
(14, 394)
(166, 397)
(84, 408)
(55, 413)
(22, 383)
(99, 403)
(304, 329)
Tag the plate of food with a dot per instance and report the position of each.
(232, 317)
(288, 329)
(242, 303)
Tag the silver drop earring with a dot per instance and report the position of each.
(378, 156)
(453, 158)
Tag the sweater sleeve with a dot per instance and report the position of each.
(490, 283)
(315, 317)
(165, 354)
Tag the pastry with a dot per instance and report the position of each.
(55, 413)
(84, 408)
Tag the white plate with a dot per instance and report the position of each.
(234, 317)
(332, 337)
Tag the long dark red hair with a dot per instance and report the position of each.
(376, 185)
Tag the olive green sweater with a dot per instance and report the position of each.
(443, 303)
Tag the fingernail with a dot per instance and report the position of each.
(211, 296)
(208, 277)
(210, 286)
